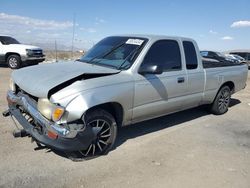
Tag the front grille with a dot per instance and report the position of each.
(36, 53)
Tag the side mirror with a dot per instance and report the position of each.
(150, 69)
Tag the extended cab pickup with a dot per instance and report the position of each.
(77, 106)
(15, 54)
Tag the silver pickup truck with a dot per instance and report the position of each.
(78, 106)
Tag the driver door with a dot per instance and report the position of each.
(159, 94)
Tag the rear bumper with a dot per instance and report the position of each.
(41, 128)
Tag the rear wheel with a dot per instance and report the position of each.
(14, 61)
(222, 101)
(105, 129)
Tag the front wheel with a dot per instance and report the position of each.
(105, 129)
(14, 61)
(221, 101)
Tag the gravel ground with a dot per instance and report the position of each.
(186, 149)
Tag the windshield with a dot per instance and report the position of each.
(115, 52)
(8, 40)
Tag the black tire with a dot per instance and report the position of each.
(221, 101)
(106, 127)
(14, 61)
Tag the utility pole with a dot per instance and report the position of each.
(56, 49)
(73, 35)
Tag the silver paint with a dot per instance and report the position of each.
(141, 97)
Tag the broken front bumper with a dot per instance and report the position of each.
(45, 131)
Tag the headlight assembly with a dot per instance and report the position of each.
(49, 110)
(12, 85)
(29, 51)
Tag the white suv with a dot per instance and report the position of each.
(15, 54)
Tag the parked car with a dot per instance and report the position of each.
(15, 55)
(244, 54)
(217, 56)
(234, 57)
(122, 80)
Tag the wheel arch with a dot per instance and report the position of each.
(230, 84)
(114, 108)
(214, 106)
(11, 53)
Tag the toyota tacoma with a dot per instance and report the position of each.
(122, 80)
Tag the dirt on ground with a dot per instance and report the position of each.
(187, 149)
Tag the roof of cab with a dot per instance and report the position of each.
(155, 37)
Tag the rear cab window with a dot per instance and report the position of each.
(190, 55)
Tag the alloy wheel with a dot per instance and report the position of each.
(13, 62)
(102, 130)
(224, 100)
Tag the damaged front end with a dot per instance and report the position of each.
(70, 136)
(31, 103)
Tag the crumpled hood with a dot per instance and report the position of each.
(40, 79)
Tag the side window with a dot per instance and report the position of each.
(204, 53)
(165, 53)
(214, 55)
(190, 55)
(210, 54)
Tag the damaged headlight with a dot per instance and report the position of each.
(12, 85)
(49, 110)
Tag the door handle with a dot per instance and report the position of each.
(180, 79)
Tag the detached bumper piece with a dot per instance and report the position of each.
(6, 113)
(20, 133)
(43, 131)
(16, 133)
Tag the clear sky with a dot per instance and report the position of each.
(218, 25)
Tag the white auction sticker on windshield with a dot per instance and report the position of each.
(135, 41)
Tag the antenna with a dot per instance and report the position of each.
(73, 35)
